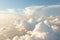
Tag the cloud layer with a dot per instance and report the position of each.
(36, 23)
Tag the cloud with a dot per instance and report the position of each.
(38, 33)
(31, 11)
(43, 10)
(36, 23)
(8, 11)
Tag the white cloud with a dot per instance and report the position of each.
(38, 33)
(55, 28)
(12, 11)
(54, 6)
(15, 38)
(30, 11)
(37, 23)
(42, 10)
(8, 11)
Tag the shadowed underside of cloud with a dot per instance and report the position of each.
(36, 23)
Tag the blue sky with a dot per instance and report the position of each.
(5, 4)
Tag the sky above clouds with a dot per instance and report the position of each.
(5, 4)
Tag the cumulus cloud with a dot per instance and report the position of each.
(30, 11)
(43, 10)
(8, 11)
(36, 23)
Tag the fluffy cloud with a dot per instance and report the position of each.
(32, 11)
(43, 10)
(8, 11)
(36, 23)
